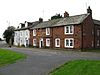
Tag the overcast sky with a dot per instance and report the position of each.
(13, 12)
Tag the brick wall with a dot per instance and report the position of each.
(97, 37)
(87, 36)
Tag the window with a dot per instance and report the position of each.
(21, 33)
(92, 43)
(69, 42)
(26, 33)
(98, 43)
(47, 31)
(48, 42)
(34, 42)
(92, 32)
(34, 32)
(15, 34)
(69, 29)
(98, 33)
(57, 42)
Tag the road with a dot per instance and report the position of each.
(42, 61)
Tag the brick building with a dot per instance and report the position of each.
(69, 32)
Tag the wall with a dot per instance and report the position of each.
(88, 33)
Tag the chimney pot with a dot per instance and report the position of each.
(40, 20)
(66, 14)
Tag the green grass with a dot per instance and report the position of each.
(78, 67)
(8, 57)
(90, 50)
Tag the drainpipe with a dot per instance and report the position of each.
(81, 36)
(52, 37)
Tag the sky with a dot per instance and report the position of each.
(13, 12)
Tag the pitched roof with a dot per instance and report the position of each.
(63, 21)
(29, 26)
(97, 22)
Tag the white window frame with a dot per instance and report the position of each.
(34, 42)
(26, 33)
(70, 31)
(56, 42)
(69, 42)
(47, 43)
(47, 31)
(21, 33)
(34, 32)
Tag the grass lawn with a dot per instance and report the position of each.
(8, 57)
(78, 67)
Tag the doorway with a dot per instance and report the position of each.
(41, 43)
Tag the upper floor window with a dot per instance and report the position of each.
(57, 42)
(21, 33)
(69, 42)
(69, 29)
(47, 31)
(98, 32)
(26, 33)
(15, 34)
(34, 32)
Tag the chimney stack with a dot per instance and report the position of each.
(40, 20)
(66, 14)
(89, 10)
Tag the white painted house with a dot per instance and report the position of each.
(22, 33)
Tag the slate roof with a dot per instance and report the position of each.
(97, 22)
(29, 26)
(77, 19)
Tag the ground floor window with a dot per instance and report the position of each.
(97, 42)
(57, 42)
(47, 42)
(69, 42)
(34, 42)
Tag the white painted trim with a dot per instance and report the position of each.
(47, 44)
(69, 29)
(34, 42)
(69, 42)
(47, 30)
(40, 42)
(34, 32)
(56, 42)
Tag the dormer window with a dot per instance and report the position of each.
(47, 31)
(34, 32)
(69, 29)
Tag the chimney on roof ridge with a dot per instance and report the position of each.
(40, 20)
(89, 10)
(66, 14)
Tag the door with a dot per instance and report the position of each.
(41, 43)
(26, 42)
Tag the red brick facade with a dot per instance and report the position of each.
(85, 35)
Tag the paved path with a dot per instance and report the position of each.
(42, 61)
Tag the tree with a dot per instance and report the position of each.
(9, 34)
(56, 16)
